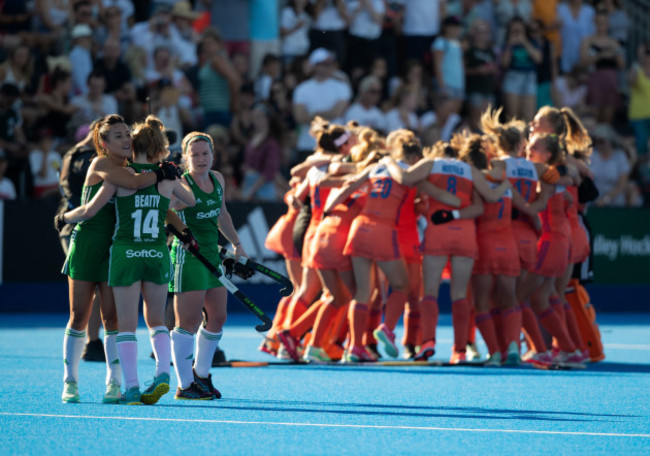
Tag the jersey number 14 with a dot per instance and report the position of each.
(147, 226)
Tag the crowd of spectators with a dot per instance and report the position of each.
(254, 73)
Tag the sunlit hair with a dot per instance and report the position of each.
(441, 149)
(101, 129)
(398, 137)
(149, 138)
(328, 136)
(553, 144)
(508, 136)
(473, 152)
(566, 124)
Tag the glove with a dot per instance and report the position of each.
(188, 238)
(239, 269)
(442, 216)
(59, 221)
(167, 170)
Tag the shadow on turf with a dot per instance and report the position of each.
(406, 411)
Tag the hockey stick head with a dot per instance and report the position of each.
(286, 291)
(266, 325)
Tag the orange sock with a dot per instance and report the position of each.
(572, 326)
(557, 328)
(429, 317)
(485, 324)
(374, 320)
(358, 317)
(471, 330)
(459, 317)
(556, 304)
(302, 325)
(324, 319)
(411, 326)
(394, 309)
(296, 309)
(495, 313)
(531, 328)
(511, 325)
(280, 315)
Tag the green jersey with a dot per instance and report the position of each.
(141, 216)
(104, 219)
(202, 219)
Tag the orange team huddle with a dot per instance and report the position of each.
(375, 223)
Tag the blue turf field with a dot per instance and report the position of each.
(330, 409)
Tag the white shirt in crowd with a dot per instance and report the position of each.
(395, 122)
(373, 117)
(7, 189)
(310, 95)
(329, 18)
(363, 26)
(52, 167)
(91, 110)
(295, 43)
(422, 17)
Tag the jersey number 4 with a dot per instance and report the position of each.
(148, 225)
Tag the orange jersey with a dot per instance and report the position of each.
(554, 217)
(318, 195)
(280, 237)
(579, 240)
(332, 234)
(496, 216)
(386, 197)
(407, 228)
(458, 237)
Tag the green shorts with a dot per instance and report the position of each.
(192, 275)
(147, 263)
(88, 255)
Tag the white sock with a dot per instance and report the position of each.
(73, 344)
(162, 349)
(127, 350)
(206, 344)
(113, 367)
(183, 354)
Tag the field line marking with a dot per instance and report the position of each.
(355, 426)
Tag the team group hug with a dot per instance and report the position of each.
(374, 224)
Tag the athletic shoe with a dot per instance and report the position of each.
(493, 360)
(113, 393)
(132, 396)
(427, 350)
(206, 384)
(569, 358)
(94, 351)
(526, 356)
(193, 393)
(472, 352)
(283, 353)
(409, 351)
(70, 392)
(267, 347)
(387, 337)
(586, 357)
(371, 349)
(357, 355)
(218, 357)
(316, 355)
(290, 343)
(512, 356)
(458, 357)
(156, 389)
(543, 358)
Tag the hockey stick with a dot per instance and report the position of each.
(286, 290)
(174, 223)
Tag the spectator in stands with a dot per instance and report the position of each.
(55, 103)
(520, 59)
(241, 127)
(413, 74)
(95, 103)
(639, 109)
(294, 30)
(280, 104)
(403, 113)
(449, 68)
(18, 69)
(156, 32)
(546, 12)
(223, 159)
(7, 187)
(481, 70)
(113, 29)
(52, 15)
(165, 105)
(116, 72)
(81, 58)
(547, 69)
(422, 20)
(185, 37)
(328, 30)
(577, 21)
(366, 18)
(165, 67)
(619, 23)
(12, 137)
(507, 10)
(610, 166)
(45, 163)
(265, 32)
(271, 71)
(232, 19)
(126, 9)
(84, 12)
(365, 110)
(604, 56)
(262, 156)
(308, 99)
(571, 90)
